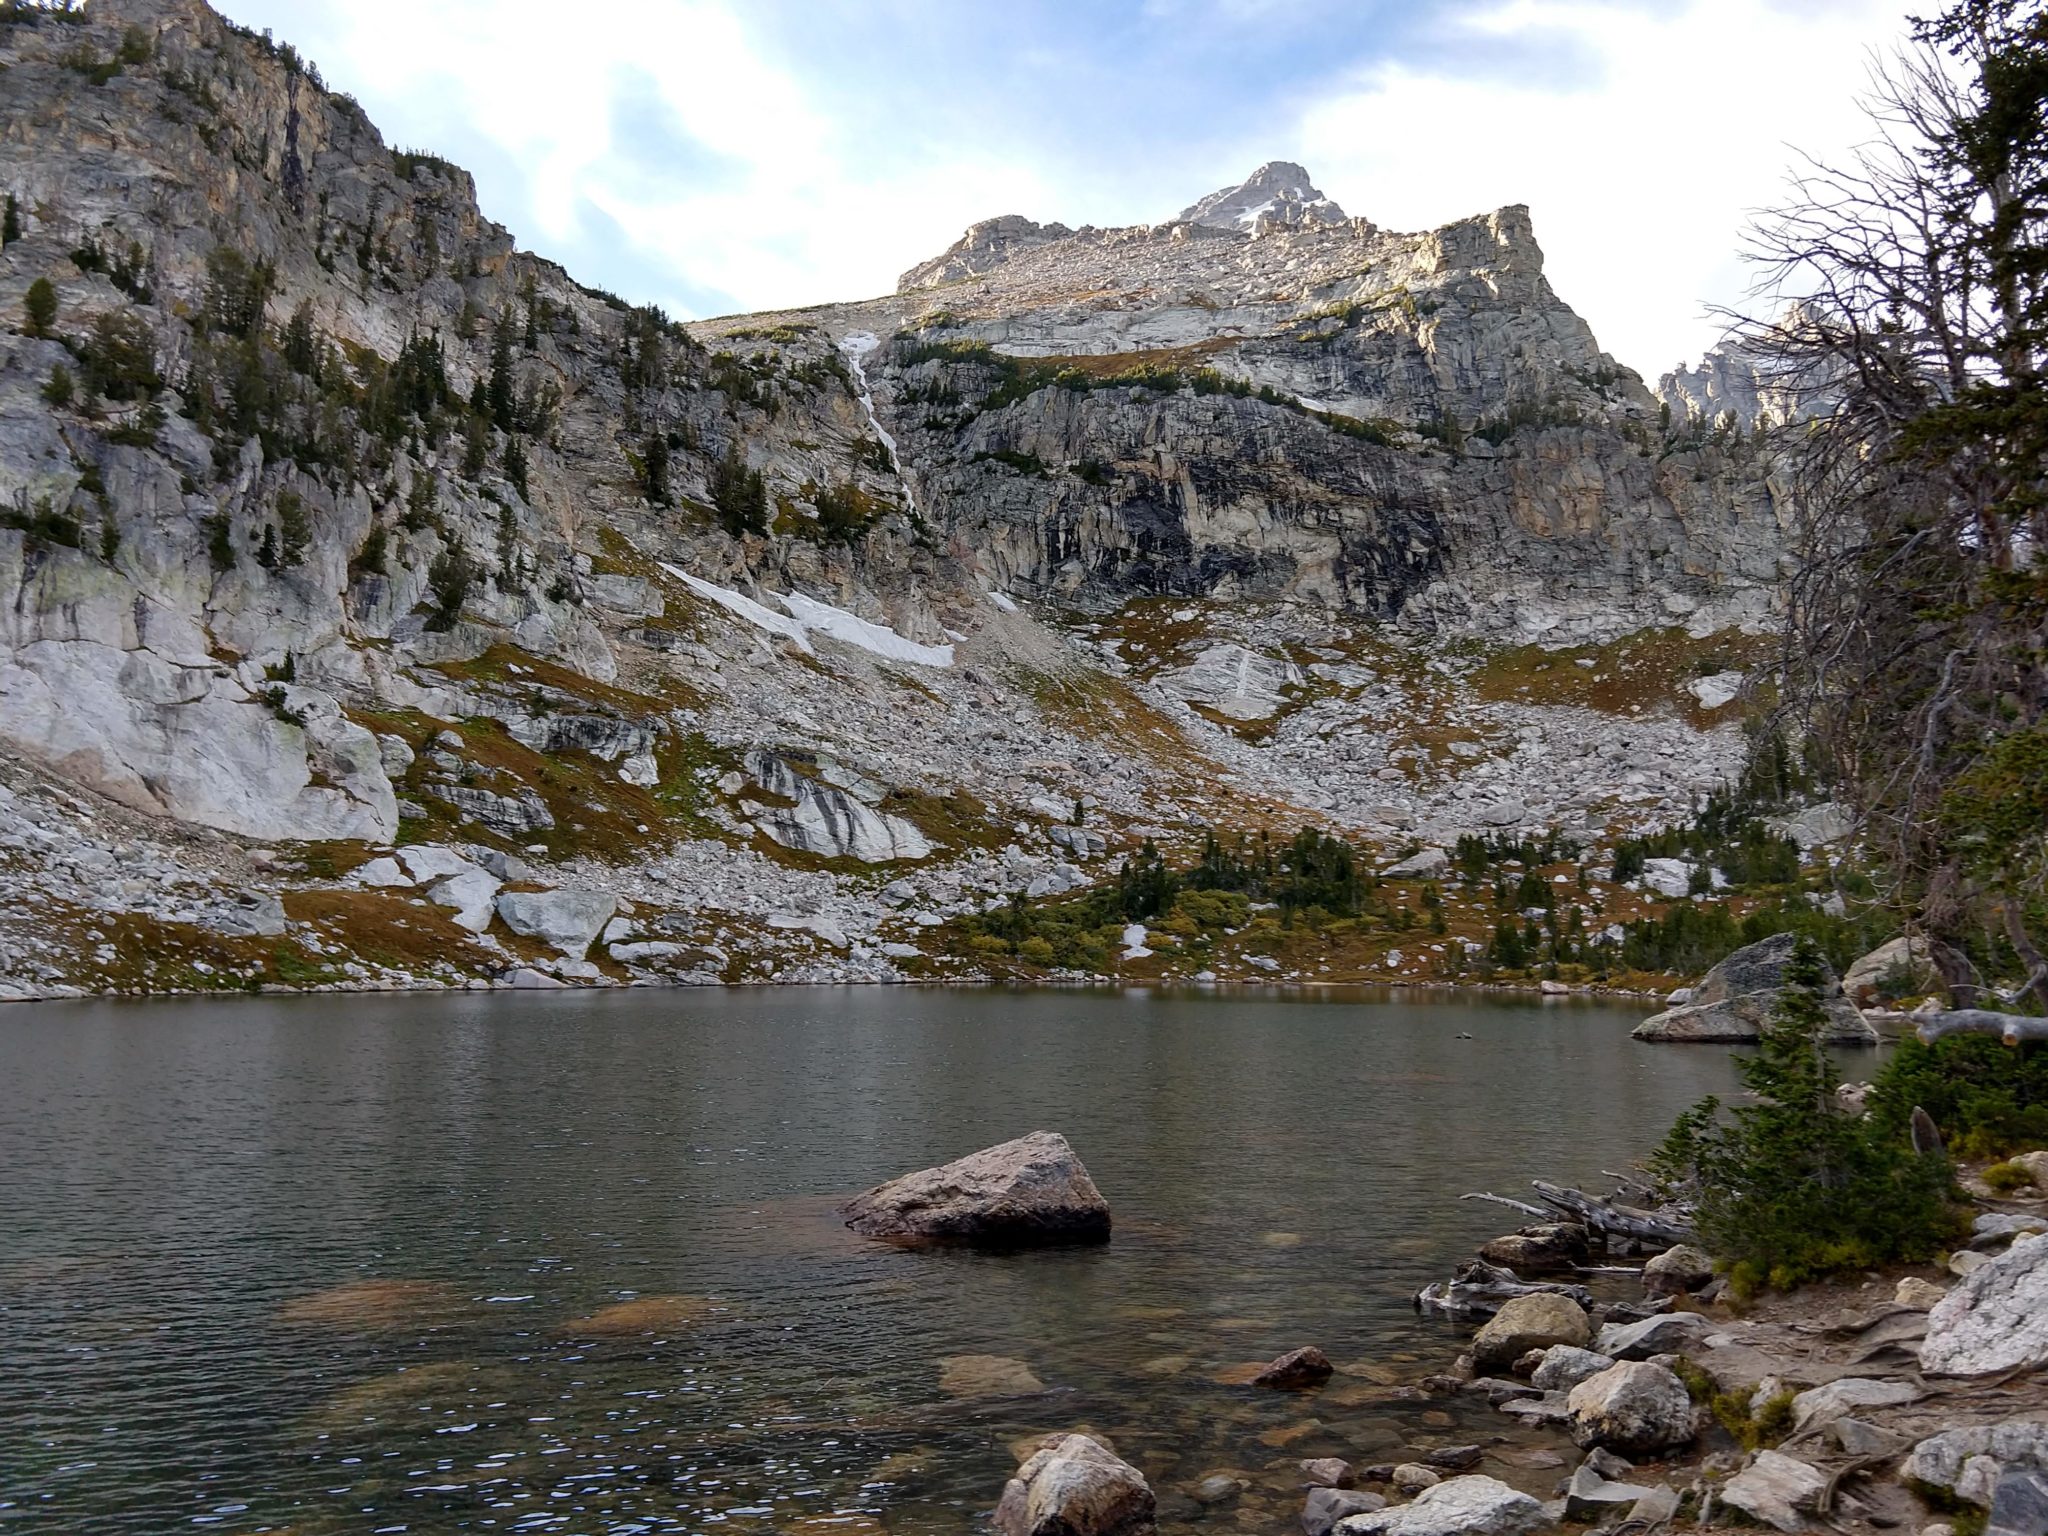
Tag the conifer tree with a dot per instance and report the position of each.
(10, 221)
(41, 305)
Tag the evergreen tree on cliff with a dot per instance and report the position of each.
(1918, 654)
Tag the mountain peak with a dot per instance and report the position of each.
(1279, 189)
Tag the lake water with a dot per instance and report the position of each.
(569, 1263)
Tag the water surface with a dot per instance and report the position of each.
(363, 1263)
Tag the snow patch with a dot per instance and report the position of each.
(1003, 601)
(807, 617)
(1134, 942)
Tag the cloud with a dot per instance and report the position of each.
(1640, 167)
(713, 155)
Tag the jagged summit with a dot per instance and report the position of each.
(1279, 191)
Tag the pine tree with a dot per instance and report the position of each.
(41, 305)
(500, 394)
(515, 466)
(1791, 1187)
(654, 469)
(10, 221)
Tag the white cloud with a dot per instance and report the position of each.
(776, 204)
(1638, 158)
(1639, 180)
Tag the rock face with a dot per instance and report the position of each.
(1995, 1319)
(827, 820)
(1076, 1486)
(1737, 996)
(1634, 1408)
(1024, 1193)
(1529, 1322)
(1458, 1506)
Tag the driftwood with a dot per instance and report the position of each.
(1610, 1219)
(1479, 1289)
(2012, 1028)
(1514, 1205)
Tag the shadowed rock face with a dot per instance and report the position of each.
(1030, 1192)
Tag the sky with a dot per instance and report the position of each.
(715, 156)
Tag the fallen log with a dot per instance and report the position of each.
(1480, 1289)
(1513, 1205)
(1610, 1219)
(2012, 1028)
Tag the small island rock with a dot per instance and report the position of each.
(1031, 1192)
(1731, 1004)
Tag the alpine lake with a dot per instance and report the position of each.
(571, 1262)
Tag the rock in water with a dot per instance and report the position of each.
(1996, 1319)
(1326, 1506)
(1295, 1370)
(1075, 1486)
(1030, 1192)
(1737, 995)
(1529, 1322)
(1554, 1247)
(1634, 1408)
(1458, 1506)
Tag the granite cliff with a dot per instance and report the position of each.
(337, 528)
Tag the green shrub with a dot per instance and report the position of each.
(60, 389)
(449, 577)
(1989, 1099)
(118, 359)
(2006, 1178)
(1789, 1187)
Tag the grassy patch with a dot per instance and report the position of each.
(1637, 673)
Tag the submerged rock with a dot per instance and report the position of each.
(1326, 1506)
(1295, 1370)
(1076, 1486)
(1737, 996)
(1025, 1193)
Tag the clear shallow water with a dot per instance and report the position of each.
(343, 1264)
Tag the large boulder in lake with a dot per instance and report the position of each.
(1076, 1486)
(1031, 1192)
(1733, 1002)
(1996, 1319)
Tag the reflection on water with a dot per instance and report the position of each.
(569, 1263)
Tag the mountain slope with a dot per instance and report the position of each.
(337, 524)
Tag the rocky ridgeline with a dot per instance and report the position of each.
(332, 525)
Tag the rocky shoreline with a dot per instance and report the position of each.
(1908, 1401)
